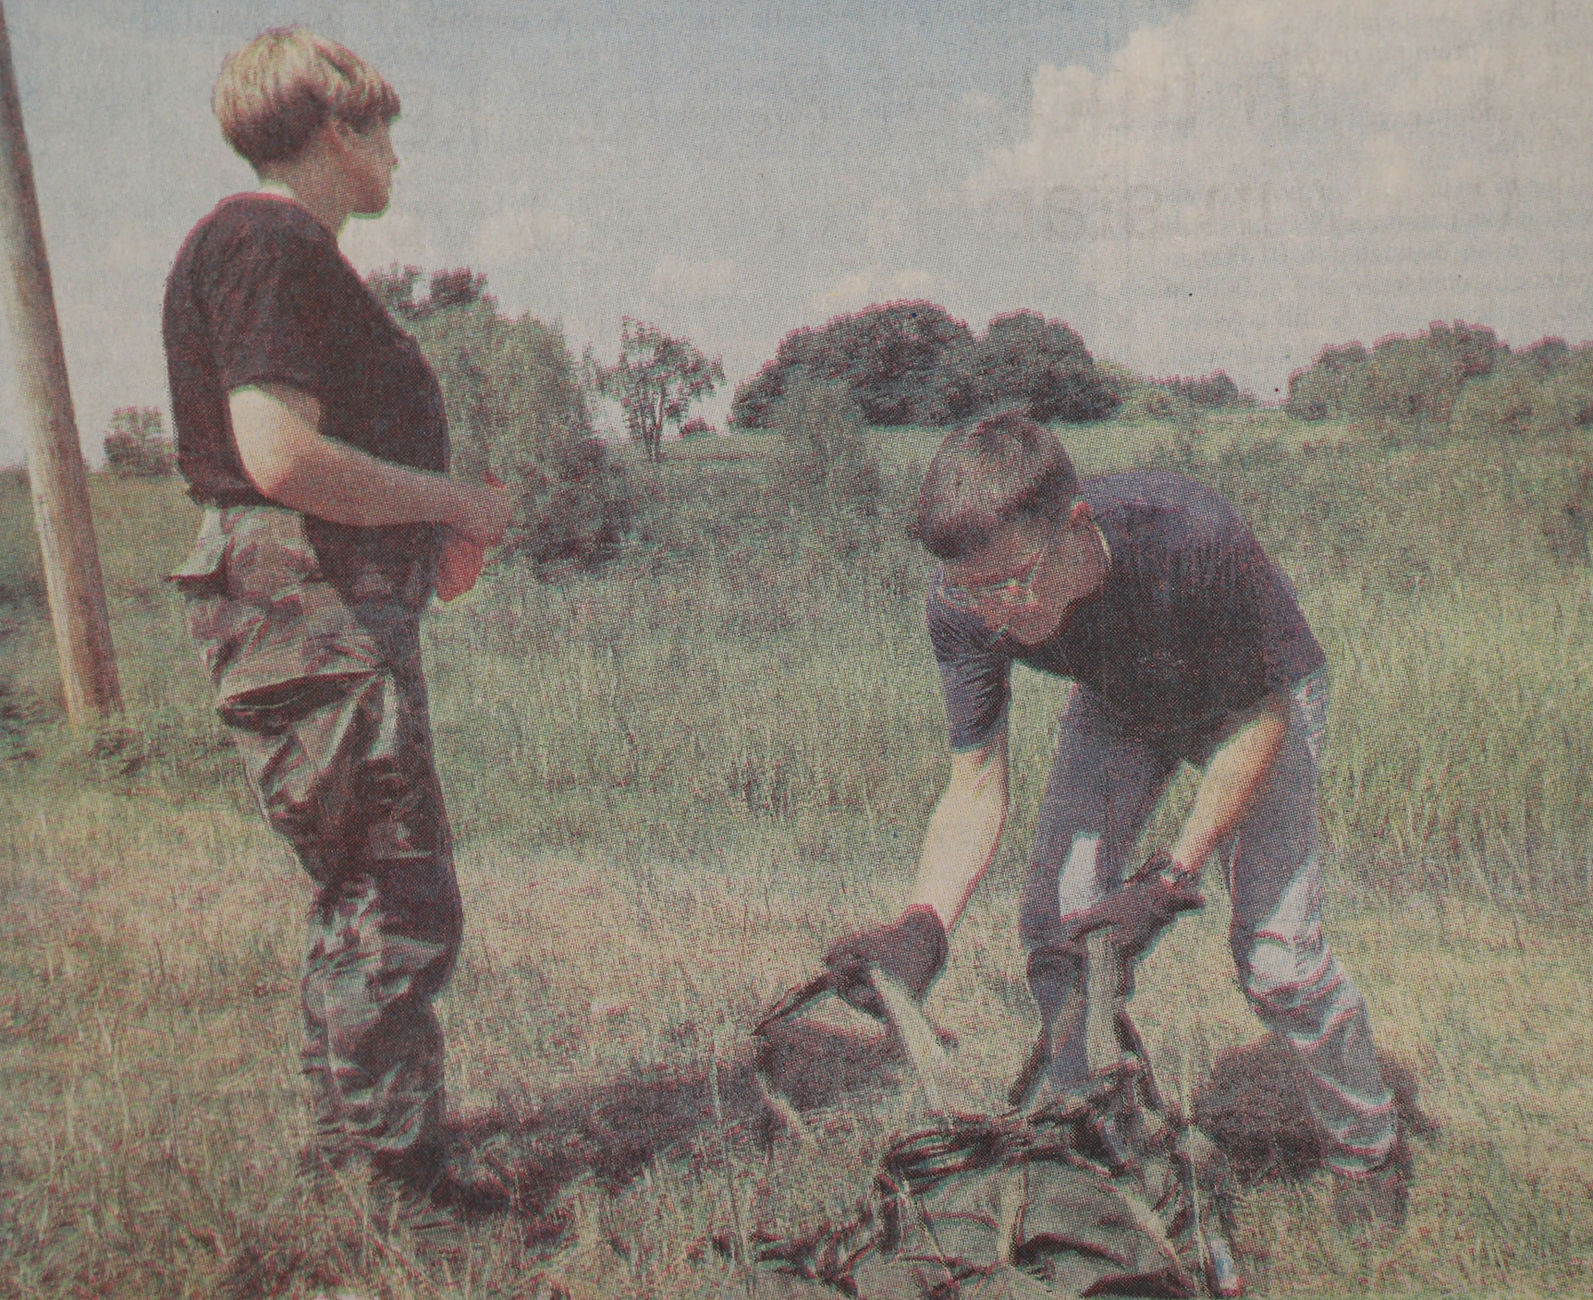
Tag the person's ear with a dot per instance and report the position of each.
(339, 133)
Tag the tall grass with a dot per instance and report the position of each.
(675, 781)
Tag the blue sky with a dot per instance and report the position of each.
(1191, 183)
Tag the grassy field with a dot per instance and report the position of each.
(675, 782)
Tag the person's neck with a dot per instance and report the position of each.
(309, 186)
(1094, 561)
(1105, 546)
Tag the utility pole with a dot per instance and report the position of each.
(61, 514)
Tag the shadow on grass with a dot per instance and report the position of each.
(517, 1160)
(610, 1132)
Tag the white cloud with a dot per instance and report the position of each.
(679, 278)
(875, 285)
(1251, 180)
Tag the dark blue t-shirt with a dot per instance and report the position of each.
(1193, 623)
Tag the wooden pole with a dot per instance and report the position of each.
(55, 459)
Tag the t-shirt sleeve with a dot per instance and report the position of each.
(273, 318)
(1255, 616)
(974, 676)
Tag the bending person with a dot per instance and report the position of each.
(312, 432)
(1185, 643)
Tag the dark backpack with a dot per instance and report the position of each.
(1099, 1191)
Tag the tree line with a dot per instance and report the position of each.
(915, 363)
(1453, 378)
(519, 403)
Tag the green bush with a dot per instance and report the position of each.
(824, 466)
(889, 357)
(912, 363)
(1564, 401)
(1213, 390)
(1025, 361)
(136, 445)
(516, 409)
(1403, 383)
(1503, 404)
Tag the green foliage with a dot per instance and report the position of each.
(824, 465)
(888, 356)
(136, 445)
(1158, 403)
(1402, 381)
(1325, 388)
(1505, 403)
(1213, 390)
(395, 289)
(1039, 366)
(912, 363)
(1541, 395)
(515, 408)
(1562, 405)
(655, 380)
(1121, 382)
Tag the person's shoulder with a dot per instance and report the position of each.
(1162, 500)
(257, 222)
(1154, 489)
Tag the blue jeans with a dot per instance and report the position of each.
(1102, 790)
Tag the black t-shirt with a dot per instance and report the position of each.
(260, 293)
(1193, 623)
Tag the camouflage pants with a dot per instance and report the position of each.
(320, 683)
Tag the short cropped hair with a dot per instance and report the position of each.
(1002, 471)
(276, 92)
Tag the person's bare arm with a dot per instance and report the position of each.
(277, 429)
(964, 830)
(1233, 778)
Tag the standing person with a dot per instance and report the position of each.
(1185, 643)
(312, 432)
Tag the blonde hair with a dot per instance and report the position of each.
(276, 92)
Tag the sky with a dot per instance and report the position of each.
(1192, 184)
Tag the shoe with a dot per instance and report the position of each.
(397, 1197)
(421, 1214)
(1372, 1206)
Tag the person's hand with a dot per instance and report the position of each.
(484, 510)
(1149, 901)
(458, 565)
(913, 948)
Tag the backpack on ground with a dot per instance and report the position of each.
(1102, 1190)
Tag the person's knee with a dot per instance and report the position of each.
(1056, 891)
(1281, 973)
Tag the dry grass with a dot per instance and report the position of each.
(150, 1046)
(673, 786)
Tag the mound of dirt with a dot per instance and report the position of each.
(1252, 1104)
